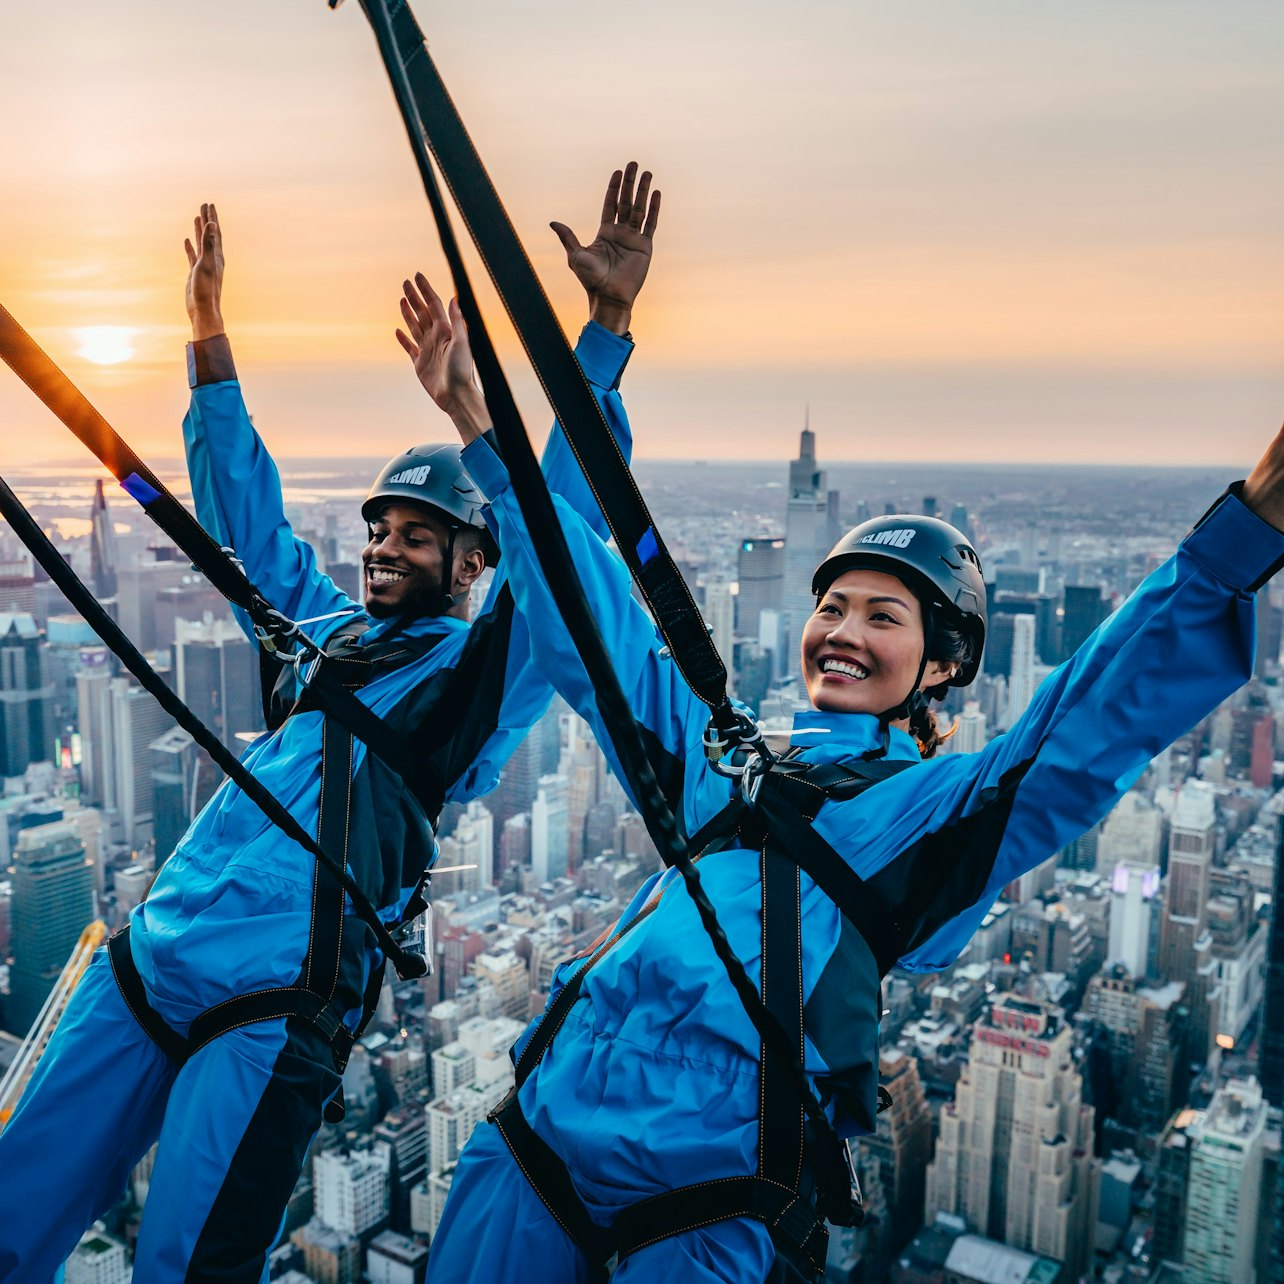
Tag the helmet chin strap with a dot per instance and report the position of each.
(448, 574)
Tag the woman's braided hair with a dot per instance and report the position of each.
(953, 645)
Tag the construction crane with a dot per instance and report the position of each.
(33, 1046)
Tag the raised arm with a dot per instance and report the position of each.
(1180, 645)
(235, 483)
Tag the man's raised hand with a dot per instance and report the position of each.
(436, 340)
(613, 266)
(205, 274)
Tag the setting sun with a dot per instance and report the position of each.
(105, 345)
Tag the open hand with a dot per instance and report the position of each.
(436, 340)
(613, 266)
(205, 274)
(1264, 489)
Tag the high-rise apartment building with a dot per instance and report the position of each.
(351, 1188)
(53, 902)
(1227, 1147)
(1014, 1156)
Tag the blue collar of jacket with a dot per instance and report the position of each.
(831, 737)
(422, 626)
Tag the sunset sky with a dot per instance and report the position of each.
(994, 230)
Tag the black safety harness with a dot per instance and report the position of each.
(799, 1184)
(435, 131)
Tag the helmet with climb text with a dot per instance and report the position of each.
(932, 558)
(433, 477)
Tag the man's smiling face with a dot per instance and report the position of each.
(402, 563)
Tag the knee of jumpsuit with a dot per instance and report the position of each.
(241, 1116)
(92, 1110)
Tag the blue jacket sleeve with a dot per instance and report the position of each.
(656, 690)
(1180, 645)
(602, 356)
(237, 492)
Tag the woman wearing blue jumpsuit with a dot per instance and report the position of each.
(651, 1083)
(232, 910)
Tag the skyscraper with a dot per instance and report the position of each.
(102, 545)
(1021, 678)
(26, 700)
(1271, 1068)
(1184, 950)
(136, 720)
(760, 571)
(53, 902)
(1014, 1156)
(720, 616)
(548, 829)
(1222, 1203)
(807, 539)
(1084, 610)
(216, 671)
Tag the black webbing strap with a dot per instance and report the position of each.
(245, 1009)
(131, 988)
(430, 117)
(779, 805)
(80, 597)
(781, 1119)
(558, 568)
(41, 374)
(793, 1224)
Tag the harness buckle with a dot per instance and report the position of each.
(736, 745)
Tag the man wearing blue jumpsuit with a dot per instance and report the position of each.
(652, 1081)
(238, 908)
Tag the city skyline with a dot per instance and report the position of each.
(1015, 234)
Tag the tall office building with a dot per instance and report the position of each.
(808, 528)
(183, 781)
(902, 1144)
(1271, 1066)
(53, 902)
(1014, 1156)
(136, 721)
(1131, 834)
(93, 705)
(960, 521)
(102, 546)
(971, 734)
(1021, 674)
(548, 829)
(472, 843)
(139, 585)
(536, 756)
(1085, 608)
(1185, 950)
(1144, 1031)
(26, 699)
(1227, 1147)
(720, 616)
(216, 671)
(1134, 893)
(760, 572)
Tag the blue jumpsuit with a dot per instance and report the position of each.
(230, 913)
(652, 1081)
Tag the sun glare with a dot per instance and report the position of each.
(105, 345)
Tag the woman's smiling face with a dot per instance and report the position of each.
(862, 646)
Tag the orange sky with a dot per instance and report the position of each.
(999, 230)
